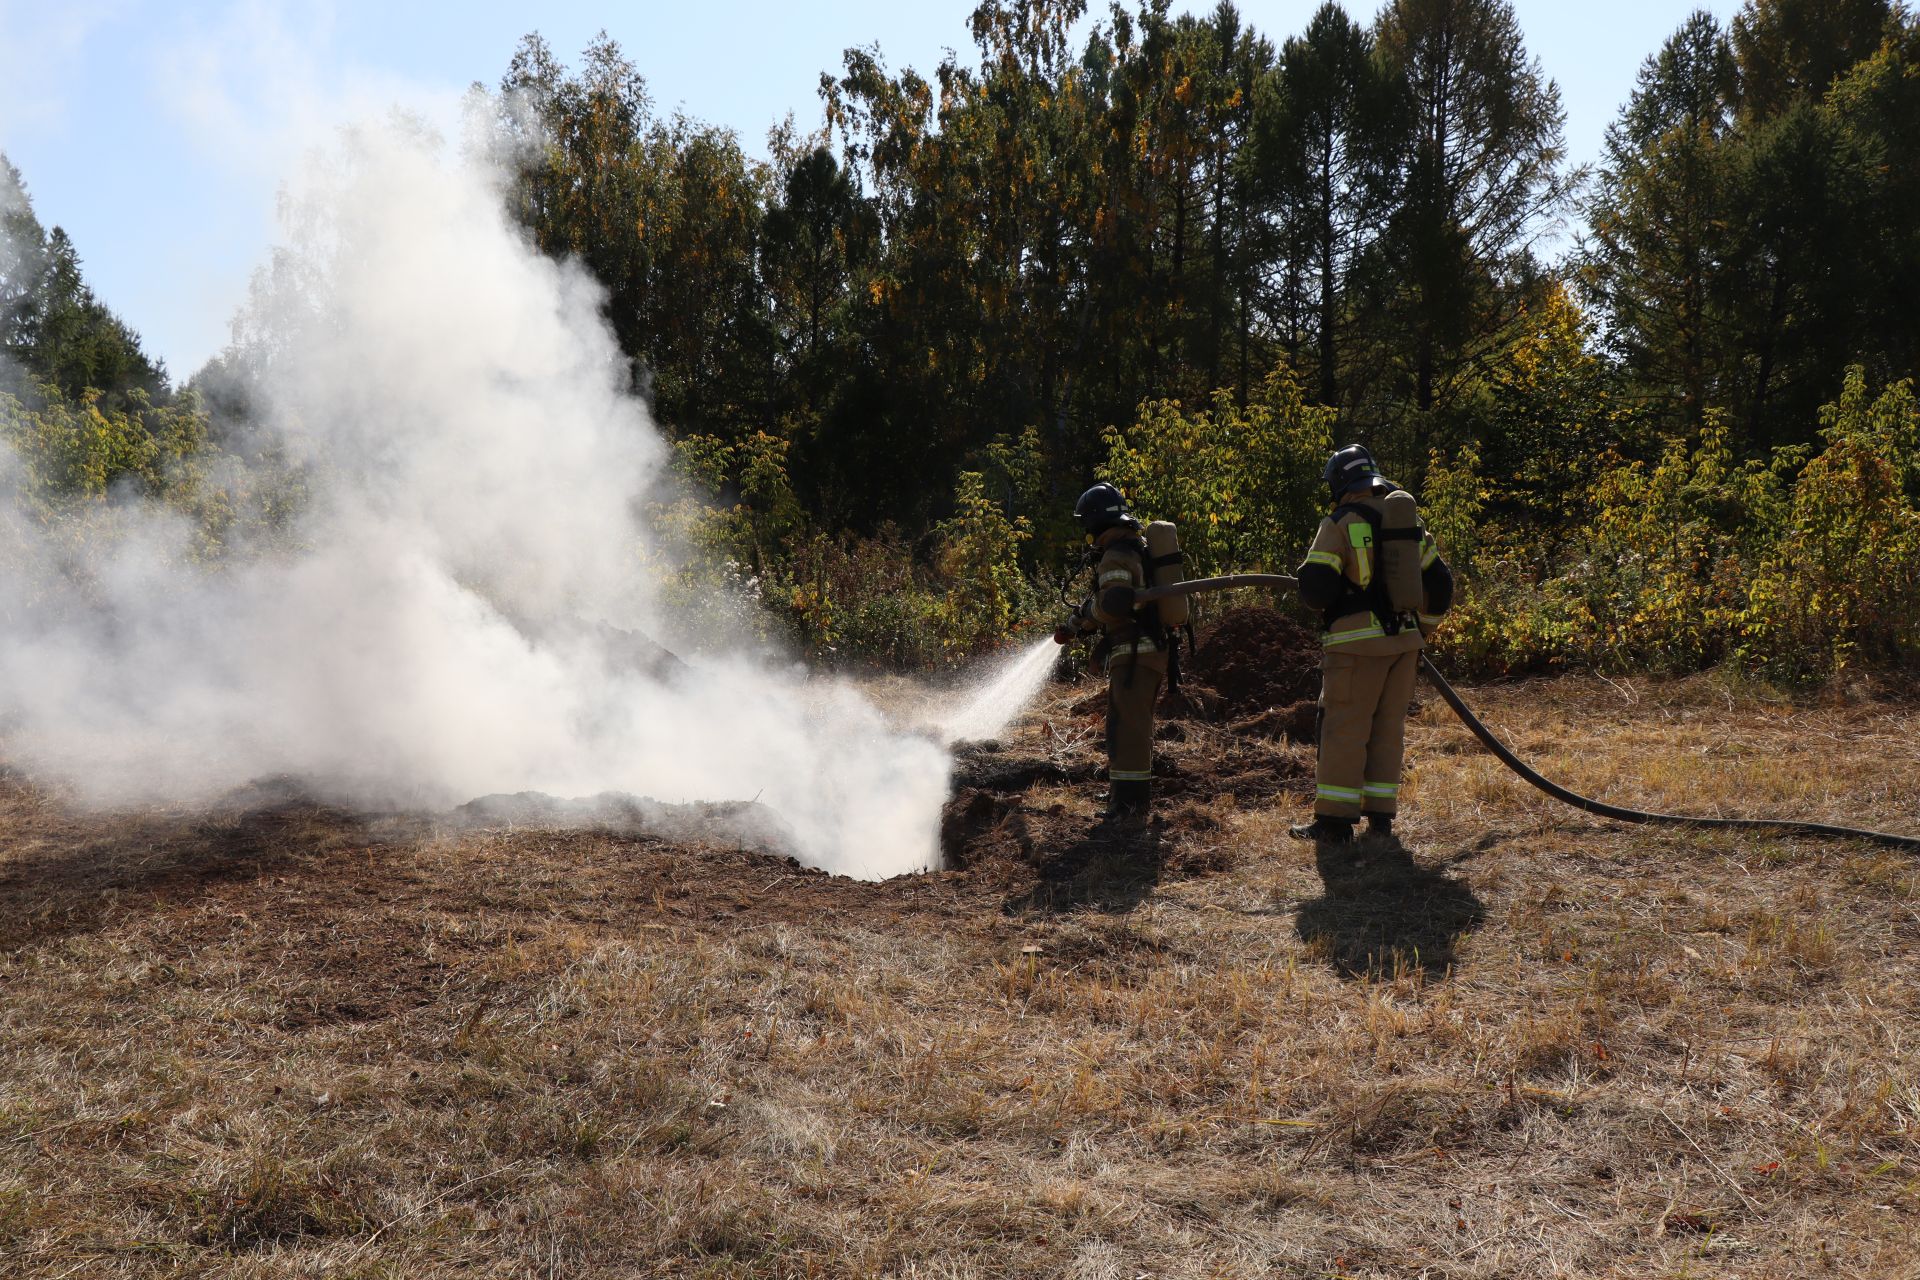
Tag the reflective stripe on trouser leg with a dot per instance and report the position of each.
(1387, 736)
(1350, 688)
(1132, 688)
(1345, 797)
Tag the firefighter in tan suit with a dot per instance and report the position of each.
(1133, 643)
(1371, 650)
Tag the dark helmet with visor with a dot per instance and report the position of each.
(1349, 468)
(1100, 508)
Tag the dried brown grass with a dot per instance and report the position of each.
(285, 1041)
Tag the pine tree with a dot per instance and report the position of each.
(1789, 51)
(1479, 175)
(1322, 142)
(1875, 113)
(1796, 259)
(23, 271)
(1657, 248)
(51, 324)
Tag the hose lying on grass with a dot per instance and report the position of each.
(1785, 826)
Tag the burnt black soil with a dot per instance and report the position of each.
(996, 767)
(1020, 830)
(741, 825)
(1024, 811)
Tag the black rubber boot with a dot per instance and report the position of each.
(1129, 800)
(1380, 826)
(1324, 830)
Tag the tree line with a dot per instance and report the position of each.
(1059, 230)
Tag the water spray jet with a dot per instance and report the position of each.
(1000, 696)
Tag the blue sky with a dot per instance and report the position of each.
(157, 133)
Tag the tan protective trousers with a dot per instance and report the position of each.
(1363, 731)
(1132, 688)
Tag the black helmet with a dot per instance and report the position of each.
(1100, 508)
(1348, 468)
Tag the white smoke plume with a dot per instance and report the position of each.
(475, 523)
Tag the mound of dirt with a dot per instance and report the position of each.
(1256, 668)
(637, 651)
(978, 826)
(1257, 660)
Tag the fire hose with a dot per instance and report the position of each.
(1506, 756)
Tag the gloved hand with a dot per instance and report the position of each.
(1063, 634)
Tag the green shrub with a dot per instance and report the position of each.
(1839, 585)
(1796, 568)
(986, 593)
(1242, 484)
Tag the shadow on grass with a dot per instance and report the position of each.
(1383, 914)
(1112, 867)
(79, 868)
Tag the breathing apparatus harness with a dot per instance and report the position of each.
(1375, 596)
(1352, 471)
(1147, 623)
(1101, 511)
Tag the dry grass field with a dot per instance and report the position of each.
(281, 1040)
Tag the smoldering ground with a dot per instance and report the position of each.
(432, 622)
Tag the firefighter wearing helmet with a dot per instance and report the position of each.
(1133, 643)
(1376, 575)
